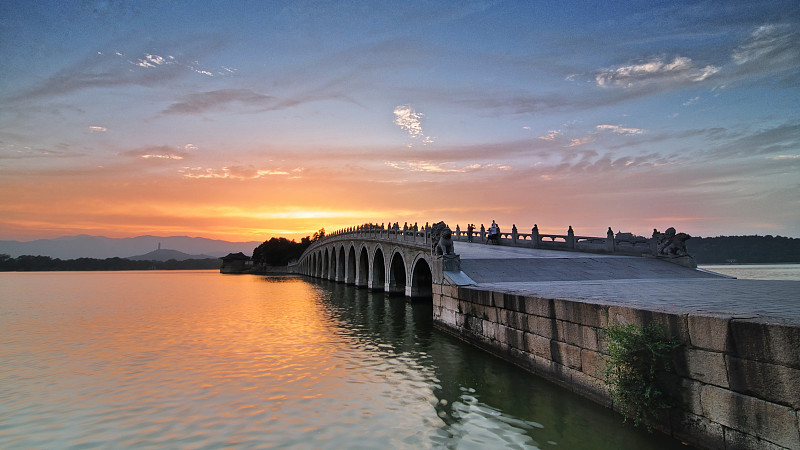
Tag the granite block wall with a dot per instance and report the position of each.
(738, 379)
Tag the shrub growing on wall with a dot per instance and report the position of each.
(638, 357)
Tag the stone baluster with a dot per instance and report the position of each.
(535, 236)
(458, 233)
(483, 233)
(610, 244)
(514, 234)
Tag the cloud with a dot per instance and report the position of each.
(772, 44)
(551, 135)
(12, 151)
(408, 120)
(162, 152)
(580, 141)
(100, 70)
(152, 61)
(691, 101)
(657, 70)
(237, 172)
(97, 129)
(432, 167)
(779, 140)
(215, 100)
(616, 129)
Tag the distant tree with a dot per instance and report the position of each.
(46, 263)
(281, 251)
(277, 252)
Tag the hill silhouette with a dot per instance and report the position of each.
(85, 246)
(166, 255)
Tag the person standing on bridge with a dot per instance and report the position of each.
(470, 230)
(494, 233)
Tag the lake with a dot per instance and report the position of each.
(757, 271)
(197, 359)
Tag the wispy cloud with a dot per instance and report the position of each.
(237, 172)
(109, 70)
(11, 151)
(774, 43)
(691, 101)
(433, 167)
(577, 142)
(198, 103)
(161, 152)
(680, 69)
(616, 129)
(551, 135)
(780, 140)
(97, 129)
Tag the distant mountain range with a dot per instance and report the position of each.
(166, 255)
(84, 246)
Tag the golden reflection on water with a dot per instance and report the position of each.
(163, 360)
(198, 359)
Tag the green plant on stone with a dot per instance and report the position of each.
(638, 357)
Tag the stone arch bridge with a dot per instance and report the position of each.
(397, 261)
(400, 260)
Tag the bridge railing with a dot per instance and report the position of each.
(414, 235)
(619, 243)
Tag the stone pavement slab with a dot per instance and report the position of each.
(639, 282)
(768, 300)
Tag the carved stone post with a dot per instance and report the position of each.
(483, 233)
(610, 240)
(458, 233)
(654, 242)
(514, 234)
(535, 236)
(570, 238)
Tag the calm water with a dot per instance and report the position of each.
(758, 271)
(202, 360)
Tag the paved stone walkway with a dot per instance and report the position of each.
(640, 282)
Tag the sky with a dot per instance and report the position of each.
(245, 120)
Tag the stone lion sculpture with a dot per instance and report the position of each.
(442, 239)
(671, 243)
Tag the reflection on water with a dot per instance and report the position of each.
(199, 359)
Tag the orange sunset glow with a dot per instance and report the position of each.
(329, 116)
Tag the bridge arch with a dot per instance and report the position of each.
(421, 279)
(326, 263)
(350, 275)
(396, 280)
(340, 267)
(378, 279)
(362, 275)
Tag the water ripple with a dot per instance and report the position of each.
(199, 360)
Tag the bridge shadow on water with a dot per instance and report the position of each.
(480, 399)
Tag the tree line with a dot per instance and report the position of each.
(26, 263)
(281, 251)
(744, 249)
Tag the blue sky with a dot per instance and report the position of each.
(241, 120)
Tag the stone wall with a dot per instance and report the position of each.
(738, 378)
